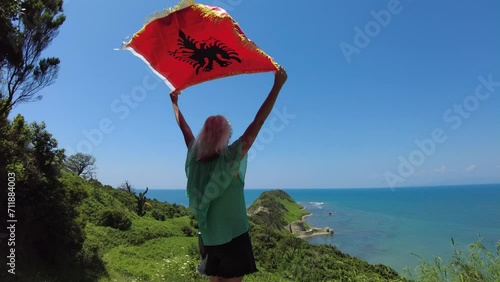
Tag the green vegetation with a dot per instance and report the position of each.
(81, 164)
(153, 250)
(114, 218)
(49, 232)
(275, 209)
(474, 264)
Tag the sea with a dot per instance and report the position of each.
(394, 226)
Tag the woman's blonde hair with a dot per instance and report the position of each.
(214, 137)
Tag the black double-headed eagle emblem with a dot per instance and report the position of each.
(201, 55)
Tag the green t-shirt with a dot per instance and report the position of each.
(215, 191)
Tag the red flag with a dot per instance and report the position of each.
(193, 43)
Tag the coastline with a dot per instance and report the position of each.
(298, 229)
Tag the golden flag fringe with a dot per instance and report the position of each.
(167, 11)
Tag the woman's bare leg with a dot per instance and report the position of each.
(238, 279)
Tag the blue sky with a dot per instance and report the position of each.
(380, 94)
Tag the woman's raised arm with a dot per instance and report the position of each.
(186, 130)
(253, 129)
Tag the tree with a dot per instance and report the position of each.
(26, 29)
(141, 200)
(82, 165)
(127, 187)
(9, 12)
(47, 228)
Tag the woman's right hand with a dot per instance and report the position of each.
(174, 95)
(280, 76)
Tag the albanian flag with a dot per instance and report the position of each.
(192, 43)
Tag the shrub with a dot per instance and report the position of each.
(91, 257)
(158, 215)
(115, 218)
(193, 222)
(187, 231)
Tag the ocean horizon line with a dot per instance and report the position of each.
(353, 188)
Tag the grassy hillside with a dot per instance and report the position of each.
(161, 245)
(119, 245)
(284, 209)
(166, 250)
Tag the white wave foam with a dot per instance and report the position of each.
(318, 205)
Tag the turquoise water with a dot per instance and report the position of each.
(388, 225)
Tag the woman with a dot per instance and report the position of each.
(216, 177)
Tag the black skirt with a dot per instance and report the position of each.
(230, 260)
